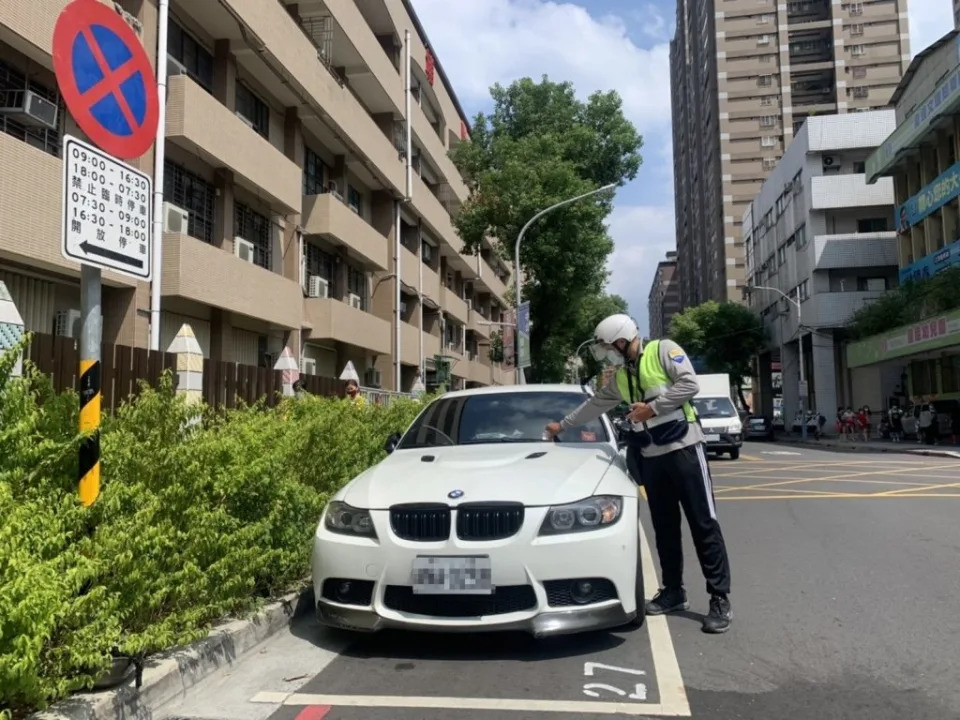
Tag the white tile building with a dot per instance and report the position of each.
(818, 233)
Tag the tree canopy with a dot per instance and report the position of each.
(908, 303)
(541, 145)
(724, 337)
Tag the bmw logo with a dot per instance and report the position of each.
(454, 494)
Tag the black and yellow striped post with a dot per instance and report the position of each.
(91, 331)
(90, 423)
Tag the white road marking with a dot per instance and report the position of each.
(634, 709)
(673, 695)
(778, 452)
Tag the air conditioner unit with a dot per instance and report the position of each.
(246, 121)
(371, 378)
(67, 323)
(175, 67)
(29, 108)
(175, 219)
(828, 161)
(243, 249)
(318, 287)
(355, 301)
(308, 366)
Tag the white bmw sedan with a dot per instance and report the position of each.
(473, 522)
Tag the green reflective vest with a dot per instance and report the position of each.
(653, 381)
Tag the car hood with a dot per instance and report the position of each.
(529, 473)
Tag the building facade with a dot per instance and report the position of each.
(745, 74)
(820, 235)
(920, 362)
(664, 299)
(287, 221)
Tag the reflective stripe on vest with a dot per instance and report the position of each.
(652, 375)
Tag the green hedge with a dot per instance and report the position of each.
(202, 515)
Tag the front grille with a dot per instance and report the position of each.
(426, 523)
(493, 521)
(505, 599)
(560, 593)
(348, 592)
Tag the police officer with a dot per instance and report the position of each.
(659, 382)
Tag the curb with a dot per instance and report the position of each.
(862, 449)
(169, 674)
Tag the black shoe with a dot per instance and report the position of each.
(668, 600)
(718, 619)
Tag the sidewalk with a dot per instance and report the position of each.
(907, 447)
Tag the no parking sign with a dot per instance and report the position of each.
(105, 78)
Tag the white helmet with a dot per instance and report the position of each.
(607, 332)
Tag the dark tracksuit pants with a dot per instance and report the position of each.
(682, 479)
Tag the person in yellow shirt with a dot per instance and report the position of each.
(353, 393)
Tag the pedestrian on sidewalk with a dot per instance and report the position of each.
(659, 382)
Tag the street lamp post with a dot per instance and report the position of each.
(523, 230)
(803, 379)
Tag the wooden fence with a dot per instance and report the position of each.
(225, 384)
(122, 367)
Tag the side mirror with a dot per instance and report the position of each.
(391, 444)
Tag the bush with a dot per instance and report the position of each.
(202, 515)
(908, 303)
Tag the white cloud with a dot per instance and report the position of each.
(514, 38)
(929, 21)
(643, 234)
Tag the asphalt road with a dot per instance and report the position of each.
(846, 590)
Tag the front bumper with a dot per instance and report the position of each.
(546, 624)
(531, 576)
(722, 441)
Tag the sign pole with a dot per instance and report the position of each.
(91, 332)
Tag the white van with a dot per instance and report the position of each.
(718, 415)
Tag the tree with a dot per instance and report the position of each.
(538, 146)
(723, 336)
(911, 302)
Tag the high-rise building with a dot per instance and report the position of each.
(285, 192)
(745, 74)
(664, 299)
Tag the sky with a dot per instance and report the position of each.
(620, 45)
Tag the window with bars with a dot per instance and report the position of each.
(357, 284)
(253, 109)
(14, 82)
(255, 228)
(314, 173)
(192, 193)
(194, 58)
(354, 199)
(322, 263)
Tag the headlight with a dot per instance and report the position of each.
(590, 514)
(342, 518)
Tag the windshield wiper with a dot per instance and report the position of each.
(498, 441)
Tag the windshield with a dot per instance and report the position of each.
(495, 418)
(719, 407)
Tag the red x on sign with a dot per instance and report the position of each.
(106, 78)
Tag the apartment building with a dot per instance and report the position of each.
(663, 301)
(819, 234)
(745, 74)
(920, 362)
(287, 221)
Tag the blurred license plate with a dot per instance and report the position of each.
(713, 438)
(452, 575)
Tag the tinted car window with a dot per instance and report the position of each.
(715, 407)
(495, 418)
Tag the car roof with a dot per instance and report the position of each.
(574, 388)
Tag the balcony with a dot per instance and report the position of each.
(835, 309)
(478, 323)
(845, 191)
(410, 342)
(855, 250)
(196, 271)
(329, 217)
(477, 372)
(337, 321)
(201, 125)
(287, 49)
(33, 21)
(454, 305)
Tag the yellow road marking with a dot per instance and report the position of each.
(789, 481)
(825, 493)
(752, 458)
(835, 478)
(862, 496)
(942, 486)
(794, 467)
